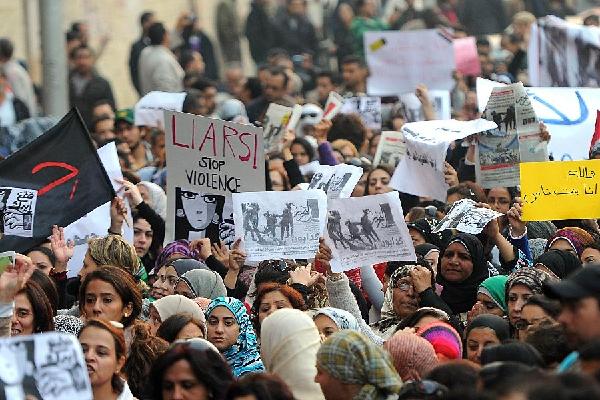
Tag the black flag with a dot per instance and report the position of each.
(54, 180)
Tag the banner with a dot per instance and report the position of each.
(516, 139)
(209, 159)
(569, 114)
(44, 366)
(337, 181)
(465, 216)
(54, 180)
(390, 150)
(400, 60)
(367, 230)
(368, 108)
(97, 222)
(421, 170)
(149, 110)
(280, 225)
(563, 54)
(560, 190)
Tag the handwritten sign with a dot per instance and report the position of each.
(407, 59)
(209, 159)
(560, 190)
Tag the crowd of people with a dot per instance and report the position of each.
(510, 313)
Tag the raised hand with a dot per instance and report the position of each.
(14, 277)
(237, 257)
(62, 249)
(203, 246)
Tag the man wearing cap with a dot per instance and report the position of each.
(127, 132)
(579, 295)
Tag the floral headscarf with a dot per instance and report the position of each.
(577, 238)
(181, 246)
(243, 356)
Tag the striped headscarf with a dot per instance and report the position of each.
(243, 356)
(352, 358)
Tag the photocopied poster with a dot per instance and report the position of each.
(17, 210)
(400, 60)
(337, 181)
(274, 123)
(45, 366)
(556, 190)
(413, 109)
(96, 223)
(421, 170)
(515, 140)
(390, 150)
(465, 216)
(368, 108)
(209, 159)
(280, 225)
(367, 230)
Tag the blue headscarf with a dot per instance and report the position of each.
(243, 356)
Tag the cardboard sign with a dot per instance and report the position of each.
(558, 190)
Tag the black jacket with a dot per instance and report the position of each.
(134, 59)
(296, 35)
(96, 89)
(260, 32)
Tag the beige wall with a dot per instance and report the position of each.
(117, 18)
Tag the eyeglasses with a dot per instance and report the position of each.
(419, 389)
(403, 286)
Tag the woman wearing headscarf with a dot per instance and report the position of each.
(557, 263)
(461, 270)
(230, 330)
(430, 252)
(289, 345)
(491, 297)
(571, 239)
(350, 366)
(201, 283)
(168, 275)
(167, 306)
(520, 286)
(173, 251)
(155, 197)
(485, 330)
(421, 232)
(414, 357)
(330, 320)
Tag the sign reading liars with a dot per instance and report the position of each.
(208, 159)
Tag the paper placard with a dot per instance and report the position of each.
(368, 108)
(465, 216)
(337, 181)
(333, 105)
(274, 123)
(390, 150)
(149, 110)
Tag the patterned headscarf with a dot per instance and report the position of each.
(342, 318)
(243, 356)
(353, 359)
(494, 288)
(388, 316)
(577, 238)
(532, 278)
(181, 246)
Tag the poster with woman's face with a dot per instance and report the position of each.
(200, 215)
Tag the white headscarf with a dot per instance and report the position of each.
(289, 344)
(158, 198)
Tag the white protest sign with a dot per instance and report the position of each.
(209, 159)
(440, 100)
(569, 114)
(465, 216)
(367, 230)
(390, 150)
(294, 117)
(17, 211)
(97, 222)
(333, 105)
(149, 110)
(337, 181)
(280, 225)
(274, 123)
(368, 108)
(400, 60)
(44, 366)
(421, 171)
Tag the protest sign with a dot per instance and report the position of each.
(274, 123)
(149, 110)
(390, 150)
(558, 190)
(367, 230)
(368, 108)
(44, 366)
(294, 117)
(97, 222)
(406, 59)
(515, 140)
(563, 54)
(421, 170)
(280, 225)
(54, 180)
(569, 114)
(333, 105)
(465, 216)
(413, 110)
(209, 159)
(466, 56)
(337, 181)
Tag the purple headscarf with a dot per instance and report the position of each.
(181, 246)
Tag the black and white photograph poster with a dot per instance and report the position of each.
(367, 230)
(280, 225)
(465, 216)
(17, 209)
(209, 159)
(45, 366)
(337, 181)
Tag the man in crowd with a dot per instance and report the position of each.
(354, 76)
(127, 132)
(17, 76)
(103, 129)
(146, 20)
(275, 91)
(295, 32)
(12, 109)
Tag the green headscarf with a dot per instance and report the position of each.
(352, 358)
(494, 287)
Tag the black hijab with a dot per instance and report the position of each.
(460, 296)
(425, 248)
(498, 324)
(560, 262)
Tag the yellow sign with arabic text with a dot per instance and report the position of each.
(555, 190)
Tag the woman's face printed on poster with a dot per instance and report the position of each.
(199, 208)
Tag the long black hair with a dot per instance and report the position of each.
(182, 225)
